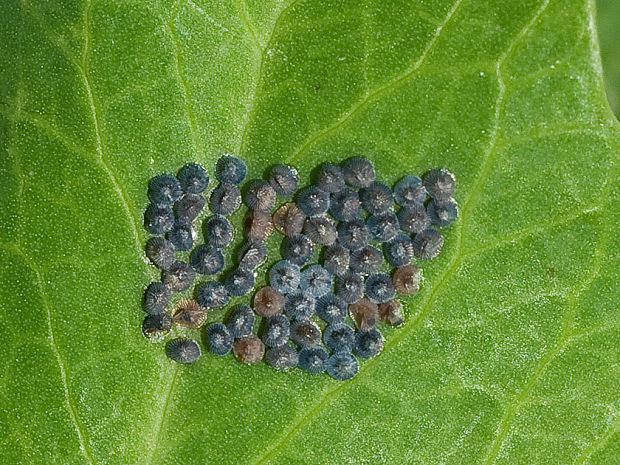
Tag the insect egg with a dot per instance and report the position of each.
(229, 169)
(182, 236)
(289, 219)
(179, 276)
(399, 251)
(440, 184)
(282, 358)
(258, 226)
(342, 366)
(220, 339)
(383, 227)
(312, 359)
(353, 234)
(366, 260)
(329, 178)
(413, 219)
(391, 312)
(379, 288)
(156, 298)
(377, 198)
(190, 314)
(193, 178)
(443, 212)
(260, 196)
(155, 327)
(339, 337)
(249, 349)
(331, 309)
(316, 280)
(276, 331)
(427, 244)
(240, 282)
(406, 279)
(313, 201)
(365, 314)
(240, 321)
(410, 191)
(285, 276)
(219, 231)
(305, 333)
(158, 219)
(160, 252)
(369, 343)
(299, 305)
(336, 259)
(225, 199)
(358, 172)
(252, 255)
(213, 295)
(207, 259)
(188, 207)
(350, 287)
(164, 190)
(297, 249)
(321, 230)
(284, 180)
(268, 302)
(183, 350)
(345, 205)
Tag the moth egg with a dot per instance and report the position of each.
(268, 302)
(342, 366)
(427, 244)
(229, 169)
(410, 191)
(188, 207)
(220, 339)
(305, 333)
(219, 231)
(252, 255)
(193, 178)
(329, 178)
(258, 226)
(276, 331)
(155, 327)
(377, 198)
(379, 288)
(299, 305)
(391, 312)
(190, 314)
(443, 212)
(336, 259)
(350, 287)
(353, 234)
(225, 199)
(413, 219)
(365, 314)
(331, 309)
(207, 259)
(158, 219)
(339, 337)
(240, 321)
(164, 190)
(282, 358)
(345, 205)
(440, 184)
(182, 236)
(240, 282)
(179, 276)
(297, 249)
(399, 251)
(249, 349)
(289, 219)
(369, 344)
(313, 201)
(260, 196)
(183, 350)
(313, 359)
(213, 295)
(285, 277)
(160, 252)
(156, 298)
(284, 180)
(383, 227)
(358, 172)
(366, 260)
(320, 230)
(316, 280)
(406, 279)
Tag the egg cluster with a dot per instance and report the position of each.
(348, 243)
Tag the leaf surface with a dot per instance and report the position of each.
(509, 353)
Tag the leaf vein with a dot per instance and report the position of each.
(380, 91)
(82, 438)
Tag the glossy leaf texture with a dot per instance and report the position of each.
(510, 351)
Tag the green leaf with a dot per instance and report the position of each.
(608, 19)
(510, 351)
